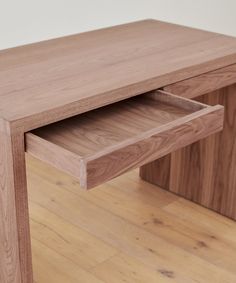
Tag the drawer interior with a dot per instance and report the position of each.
(72, 143)
(108, 126)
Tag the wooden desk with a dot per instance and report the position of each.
(51, 81)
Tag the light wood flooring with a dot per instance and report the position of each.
(124, 231)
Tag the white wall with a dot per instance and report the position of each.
(26, 21)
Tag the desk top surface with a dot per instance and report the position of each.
(51, 80)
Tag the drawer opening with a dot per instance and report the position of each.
(101, 144)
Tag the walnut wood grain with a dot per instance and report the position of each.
(102, 144)
(97, 169)
(211, 163)
(204, 83)
(157, 172)
(204, 172)
(15, 251)
(53, 80)
(190, 88)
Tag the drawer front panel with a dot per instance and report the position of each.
(205, 83)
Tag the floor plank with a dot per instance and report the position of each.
(66, 239)
(122, 268)
(124, 231)
(49, 266)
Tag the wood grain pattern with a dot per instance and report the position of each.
(15, 259)
(152, 145)
(217, 182)
(205, 171)
(106, 142)
(77, 233)
(204, 83)
(53, 80)
(157, 172)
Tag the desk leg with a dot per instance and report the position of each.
(15, 248)
(204, 172)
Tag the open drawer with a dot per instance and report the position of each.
(101, 144)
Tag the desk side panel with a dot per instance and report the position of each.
(204, 172)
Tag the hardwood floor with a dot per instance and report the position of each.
(124, 231)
